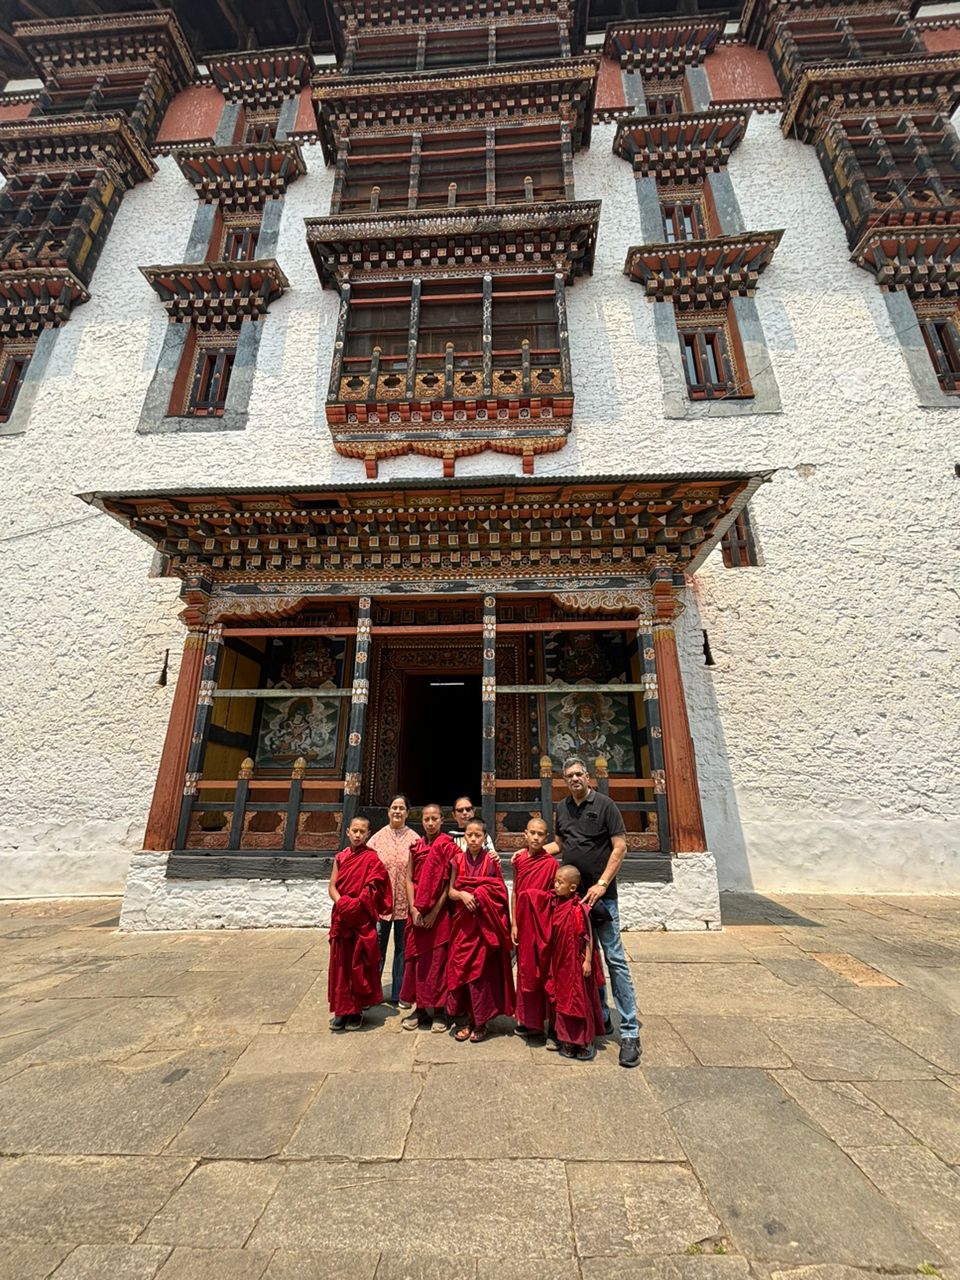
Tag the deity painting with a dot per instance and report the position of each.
(312, 662)
(587, 722)
(293, 727)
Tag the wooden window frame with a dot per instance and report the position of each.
(710, 338)
(15, 360)
(673, 208)
(738, 545)
(940, 327)
(208, 363)
(247, 233)
(260, 126)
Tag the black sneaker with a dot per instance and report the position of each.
(630, 1052)
(355, 1021)
(338, 1023)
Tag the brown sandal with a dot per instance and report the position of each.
(463, 1033)
(479, 1034)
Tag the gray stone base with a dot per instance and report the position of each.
(690, 902)
(151, 901)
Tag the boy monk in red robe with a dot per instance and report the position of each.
(571, 987)
(361, 893)
(479, 975)
(428, 925)
(532, 905)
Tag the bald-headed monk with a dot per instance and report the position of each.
(534, 872)
(479, 975)
(428, 925)
(360, 889)
(571, 985)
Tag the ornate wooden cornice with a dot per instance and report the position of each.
(351, 15)
(558, 236)
(702, 273)
(242, 176)
(924, 262)
(262, 77)
(819, 93)
(37, 298)
(682, 148)
(57, 143)
(405, 536)
(759, 20)
(217, 295)
(118, 40)
(661, 50)
(494, 95)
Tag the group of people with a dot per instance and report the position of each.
(455, 928)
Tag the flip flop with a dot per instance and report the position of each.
(478, 1035)
(462, 1034)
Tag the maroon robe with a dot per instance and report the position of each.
(425, 950)
(573, 998)
(363, 881)
(533, 877)
(479, 974)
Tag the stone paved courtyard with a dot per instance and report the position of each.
(174, 1105)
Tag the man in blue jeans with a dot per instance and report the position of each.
(591, 836)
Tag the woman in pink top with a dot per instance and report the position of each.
(393, 844)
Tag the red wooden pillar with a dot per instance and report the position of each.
(679, 763)
(168, 791)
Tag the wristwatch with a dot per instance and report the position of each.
(602, 883)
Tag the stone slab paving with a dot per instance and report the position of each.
(175, 1106)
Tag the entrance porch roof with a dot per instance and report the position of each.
(519, 529)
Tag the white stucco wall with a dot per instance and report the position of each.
(824, 734)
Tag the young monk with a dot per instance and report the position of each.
(428, 925)
(534, 872)
(479, 976)
(571, 987)
(360, 889)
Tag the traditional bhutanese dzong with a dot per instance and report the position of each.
(412, 396)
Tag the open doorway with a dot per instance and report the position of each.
(440, 737)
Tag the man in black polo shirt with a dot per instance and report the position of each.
(590, 835)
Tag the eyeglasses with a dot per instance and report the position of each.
(464, 808)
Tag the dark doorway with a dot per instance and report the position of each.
(440, 737)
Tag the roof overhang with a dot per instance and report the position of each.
(217, 295)
(702, 273)
(528, 533)
(517, 238)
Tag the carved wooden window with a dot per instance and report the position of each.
(442, 322)
(260, 126)
(502, 165)
(446, 48)
(941, 333)
(738, 545)
(712, 360)
(856, 38)
(239, 242)
(683, 220)
(208, 363)
(664, 97)
(14, 362)
(92, 94)
(38, 212)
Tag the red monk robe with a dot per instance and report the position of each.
(533, 877)
(572, 996)
(425, 956)
(363, 883)
(479, 973)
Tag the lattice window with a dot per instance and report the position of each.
(907, 162)
(93, 94)
(663, 97)
(683, 219)
(14, 362)
(260, 126)
(713, 363)
(941, 333)
(38, 212)
(857, 38)
(437, 170)
(738, 545)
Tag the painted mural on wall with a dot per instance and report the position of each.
(588, 723)
(304, 725)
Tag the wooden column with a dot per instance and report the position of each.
(359, 697)
(486, 336)
(563, 330)
(168, 789)
(680, 766)
(203, 711)
(488, 790)
(651, 712)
